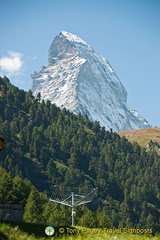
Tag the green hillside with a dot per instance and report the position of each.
(47, 146)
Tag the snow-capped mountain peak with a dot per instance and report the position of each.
(81, 80)
(72, 38)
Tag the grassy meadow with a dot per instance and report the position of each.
(142, 136)
(30, 231)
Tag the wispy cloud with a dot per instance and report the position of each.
(34, 57)
(12, 64)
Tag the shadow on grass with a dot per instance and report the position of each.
(3, 236)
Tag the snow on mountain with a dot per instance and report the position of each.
(81, 80)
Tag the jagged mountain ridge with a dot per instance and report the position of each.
(81, 80)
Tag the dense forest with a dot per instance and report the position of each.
(47, 146)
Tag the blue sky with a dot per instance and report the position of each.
(126, 32)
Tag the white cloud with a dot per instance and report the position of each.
(12, 65)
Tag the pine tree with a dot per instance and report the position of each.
(103, 221)
(6, 188)
(88, 219)
(34, 207)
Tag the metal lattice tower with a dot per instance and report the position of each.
(71, 200)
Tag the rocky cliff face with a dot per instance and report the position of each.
(80, 80)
